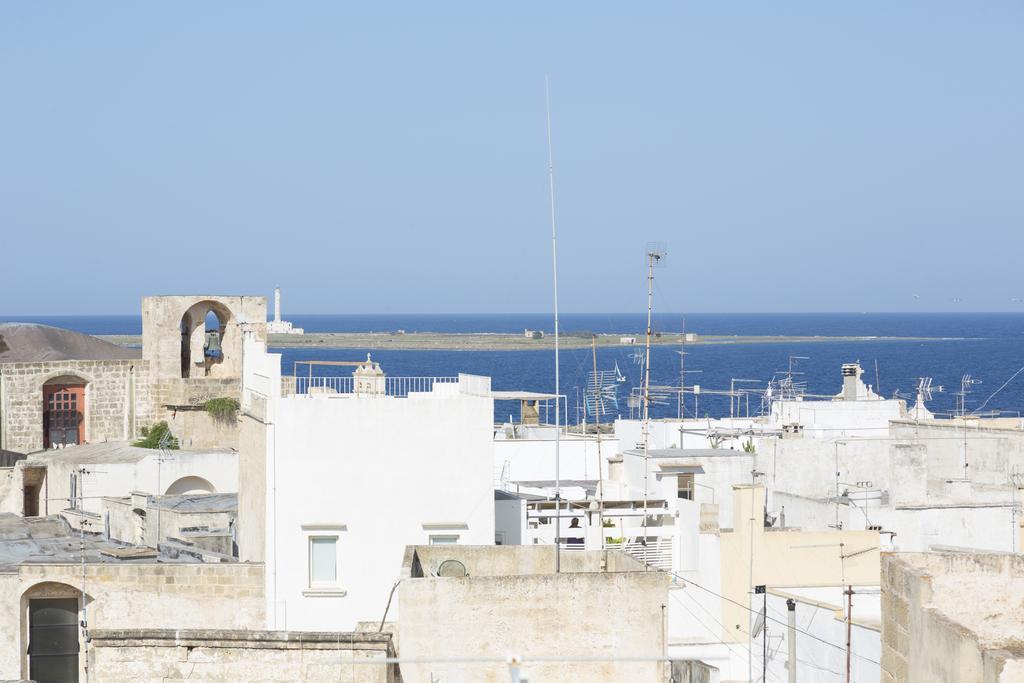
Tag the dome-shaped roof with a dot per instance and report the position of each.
(33, 343)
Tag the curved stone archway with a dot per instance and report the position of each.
(190, 484)
(51, 631)
(202, 349)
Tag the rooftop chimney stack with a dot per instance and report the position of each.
(851, 377)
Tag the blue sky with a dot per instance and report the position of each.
(794, 156)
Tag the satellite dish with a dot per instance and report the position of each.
(452, 569)
(758, 623)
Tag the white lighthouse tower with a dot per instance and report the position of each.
(278, 326)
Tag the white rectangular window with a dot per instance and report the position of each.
(444, 539)
(323, 560)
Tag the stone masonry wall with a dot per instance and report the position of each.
(135, 596)
(196, 390)
(919, 643)
(229, 656)
(602, 616)
(109, 413)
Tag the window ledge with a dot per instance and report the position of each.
(324, 593)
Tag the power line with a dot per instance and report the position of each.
(985, 403)
(777, 621)
(764, 674)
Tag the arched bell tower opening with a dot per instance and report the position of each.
(204, 330)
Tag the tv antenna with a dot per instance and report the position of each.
(925, 389)
(966, 382)
(602, 393)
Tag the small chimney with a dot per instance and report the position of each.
(529, 412)
(851, 377)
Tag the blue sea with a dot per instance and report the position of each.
(988, 346)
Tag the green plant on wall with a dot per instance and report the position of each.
(748, 446)
(152, 436)
(222, 409)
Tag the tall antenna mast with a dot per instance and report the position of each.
(554, 273)
(600, 475)
(654, 257)
(682, 377)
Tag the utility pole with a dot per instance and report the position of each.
(791, 637)
(763, 590)
(849, 629)
(750, 574)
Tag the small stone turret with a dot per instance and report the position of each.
(369, 379)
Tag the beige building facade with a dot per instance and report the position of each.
(602, 618)
(754, 555)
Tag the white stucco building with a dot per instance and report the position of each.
(343, 482)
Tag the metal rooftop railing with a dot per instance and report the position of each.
(393, 386)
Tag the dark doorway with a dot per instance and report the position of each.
(30, 504)
(33, 479)
(63, 405)
(53, 640)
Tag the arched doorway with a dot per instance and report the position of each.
(190, 484)
(64, 411)
(51, 633)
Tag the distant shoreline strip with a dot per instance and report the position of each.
(484, 341)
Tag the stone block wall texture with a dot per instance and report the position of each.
(197, 429)
(596, 617)
(921, 644)
(230, 656)
(196, 391)
(110, 413)
(136, 596)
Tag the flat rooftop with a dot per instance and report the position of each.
(193, 502)
(109, 452)
(51, 540)
(514, 560)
